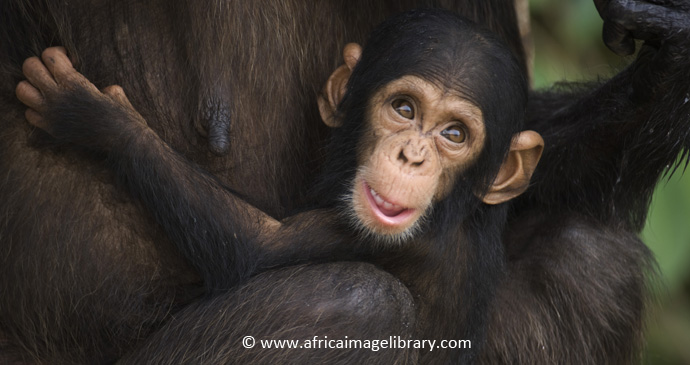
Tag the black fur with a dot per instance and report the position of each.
(87, 275)
(459, 253)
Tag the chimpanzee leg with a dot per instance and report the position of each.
(306, 303)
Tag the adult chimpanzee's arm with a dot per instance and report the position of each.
(607, 146)
(572, 249)
(223, 236)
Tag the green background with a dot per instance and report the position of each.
(568, 46)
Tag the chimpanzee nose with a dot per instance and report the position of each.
(413, 153)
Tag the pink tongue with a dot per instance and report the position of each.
(390, 212)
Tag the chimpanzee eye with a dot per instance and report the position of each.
(404, 108)
(454, 134)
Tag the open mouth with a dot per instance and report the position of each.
(385, 211)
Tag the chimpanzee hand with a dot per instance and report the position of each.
(69, 107)
(653, 21)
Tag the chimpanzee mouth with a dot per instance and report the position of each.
(385, 211)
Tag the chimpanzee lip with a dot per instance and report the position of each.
(388, 213)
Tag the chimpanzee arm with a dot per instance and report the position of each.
(224, 237)
(572, 249)
(608, 145)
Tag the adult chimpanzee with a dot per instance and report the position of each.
(86, 274)
(426, 123)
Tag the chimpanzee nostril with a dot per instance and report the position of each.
(408, 155)
(402, 157)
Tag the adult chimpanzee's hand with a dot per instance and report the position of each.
(68, 106)
(662, 65)
(654, 21)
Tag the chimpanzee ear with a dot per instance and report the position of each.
(515, 173)
(335, 87)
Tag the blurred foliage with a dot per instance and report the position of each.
(568, 46)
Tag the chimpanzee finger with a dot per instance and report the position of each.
(600, 5)
(118, 94)
(57, 62)
(615, 36)
(618, 39)
(647, 21)
(29, 95)
(36, 119)
(38, 75)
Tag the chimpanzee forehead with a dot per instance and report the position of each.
(469, 83)
(470, 68)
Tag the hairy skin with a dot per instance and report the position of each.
(113, 274)
(206, 220)
(607, 146)
(92, 285)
